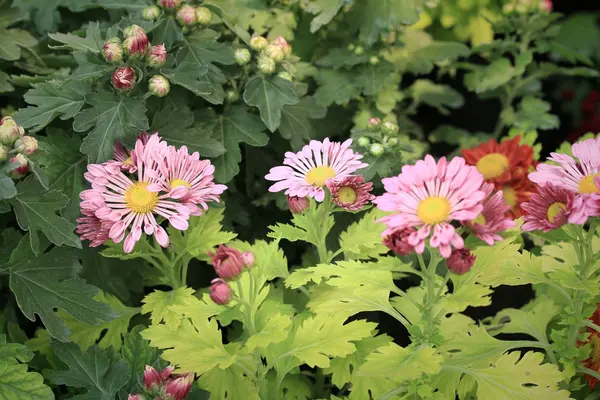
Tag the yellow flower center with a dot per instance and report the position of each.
(510, 196)
(139, 199)
(128, 162)
(318, 175)
(595, 342)
(554, 209)
(493, 165)
(346, 195)
(433, 210)
(479, 220)
(179, 182)
(587, 185)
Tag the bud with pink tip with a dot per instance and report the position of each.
(397, 241)
(157, 56)
(159, 86)
(166, 373)
(546, 5)
(9, 133)
(151, 13)
(3, 153)
(152, 378)
(22, 166)
(123, 78)
(179, 387)
(7, 121)
(186, 15)
(297, 204)
(170, 4)
(248, 258)
(275, 52)
(374, 123)
(227, 261)
(136, 44)
(112, 52)
(131, 30)
(203, 15)
(220, 292)
(460, 261)
(26, 145)
(284, 45)
(136, 397)
(258, 43)
(266, 64)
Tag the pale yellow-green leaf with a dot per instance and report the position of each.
(158, 302)
(270, 328)
(533, 319)
(362, 239)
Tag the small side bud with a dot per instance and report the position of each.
(152, 378)
(9, 133)
(186, 15)
(112, 52)
(136, 397)
(258, 43)
(389, 128)
(351, 47)
(227, 262)
(3, 153)
(26, 145)
(220, 291)
(123, 78)
(460, 261)
(285, 75)
(392, 142)
(275, 52)
(359, 50)
(248, 258)
(242, 56)
(159, 86)
(22, 166)
(285, 46)
(151, 13)
(132, 30)
(203, 15)
(136, 45)
(179, 387)
(376, 149)
(170, 4)
(364, 141)
(232, 95)
(157, 56)
(297, 204)
(374, 60)
(373, 124)
(266, 65)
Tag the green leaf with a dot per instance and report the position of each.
(363, 239)
(270, 95)
(137, 353)
(295, 121)
(92, 41)
(325, 11)
(51, 100)
(167, 31)
(341, 58)
(533, 319)
(191, 77)
(158, 303)
(236, 125)
(16, 383)
(335, 87)
(533, 113)
(232, 382)
(374, 78)
(112, 118)
(12, 41)
(5, 84)
(91, 370)
(442, 97)
(36, 209)
(484, 79)
(548, 69)
(47, 282)
(378, 16)
(307, 226)
(91, 67)
(270, 328)
(8, 189)
(203, 47)
(85, 335)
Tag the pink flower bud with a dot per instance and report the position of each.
(460, 261)
(285, 46)
(275, 52)
(9, 133)
(136, 45)
(227, 261)
(26, 145)
(297, 204)
(179, 387)
(136, 397)
(131, 30)
(22, 168)
(258, 43)
(8, 121)
(546, 5)
(203, 15)
(159, 86)
(157, 56)
(123, 78)
(374, 123)
(3, 153)
(186, 15)
(166, 373)
(21, 131)
(152, 377)
(248, 258)
(220, 291)
(266, 64)
(112, 52)
(397, 241)
(170, 4)
(151, 13)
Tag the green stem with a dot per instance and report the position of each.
(249, 320)
(591, 325)
(589, 372)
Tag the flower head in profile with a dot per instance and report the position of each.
(397, 241)
(227, 261)
(593, 361)
(576, 176)
(428, 196)
(305, 173)
(92, 228)
(220, 292)
(351, 192)
(179, 387)
(461, 261)
(548, 209)
(123, 157)
(492, 219)
(297, 204)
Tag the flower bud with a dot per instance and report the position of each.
(248, 258)
(242, 56)
(351, 47)
(374, 60)
(21, 131)
(392, 141)
(170, 4)
(22, 166)
(285, 75)
(159, 86)
(203, 15)
(132, 30)
(297, 204)
(179, 387)
(266, 65)
(9, 132)
(376, 149)
(136, 45)
(3, 153)
(26, 145)
(546, 5)
(373, 124)
(112, 52)
(220, 291)
(397, 241)
(275, 52)
(186, 15)
(460, 261)
(258, 43)
(227, 261)
(389, 128)
(157, 56)
(136, 397)
(123, 78)
(166, 373)
(152, 378)
(364, 141)
(284, 45)
(359, 50)
(114, 40)
(151, 13)
(232, 95)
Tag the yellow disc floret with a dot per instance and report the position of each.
(179, 182)
(434, 210)
(587, 185)
(554, 210)
(346, 195)
(493, 165)
(318, 175)
(139, 199)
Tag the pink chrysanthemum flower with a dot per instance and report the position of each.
(397, 241)
(548, 209)
(92, 228)
(187, 178)
(351, 192)
(123, 157)
(576, 176)
(429, 196)
(492, 219)
(305, 173)
(129, 204)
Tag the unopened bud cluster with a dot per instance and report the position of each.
(162, 385)
(15, 146)
(228, 263)
(526, 6)
(383, 136)
(136, 47)
(270, 55)
(187, 15)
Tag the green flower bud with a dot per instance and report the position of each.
(203, 15)
(8, 134)
(242, 56)
(392, 142)
(151, 13)
(376, 149)
(26, 145)
(159, 86)
(351, 47)
(373, 124)
(364, 141)
(389, 128)
(133, 30)
(232, 95)
(275, 52)
(374, 60)
(285, 75)
(113, 40)
(112, 52)
(3, 153)
(186, 15)
(266, 65)
(359, 50)
(258, 43)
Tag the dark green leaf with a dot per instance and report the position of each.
(12, 41)
(112, 118)
(335, 87)
(167, 31)
(373, 78)
(548, 69)
(203, 47)
(533, 113)
(5, 85)
(342, 57)
(10, 239)
(270, 95)
(490, 77)
(92, 41)
(295, 121)
(377, 16)
(91, 66)
(36, 210)
(438, 96)
(137, 353)
(190, 76)
(7, 186)
(325, 11)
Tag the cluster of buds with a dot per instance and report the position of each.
(270, 54)
(15, 146)
(360, 50)
(163, 385)
(136, 46)
(186, 14)
(387, 133)
(525, 6)
(228, 263)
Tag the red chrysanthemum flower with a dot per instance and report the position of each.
(593, 362)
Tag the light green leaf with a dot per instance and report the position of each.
(231, 382)
(92, 41)
(442, 97)
(533, 319)
(534, 113)
(377, 16)
(324, 10)
(363, 239)
(307, 226)
(112, 118)
(270, 328)
(484, 79)
(158, 303)
(270, 95)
